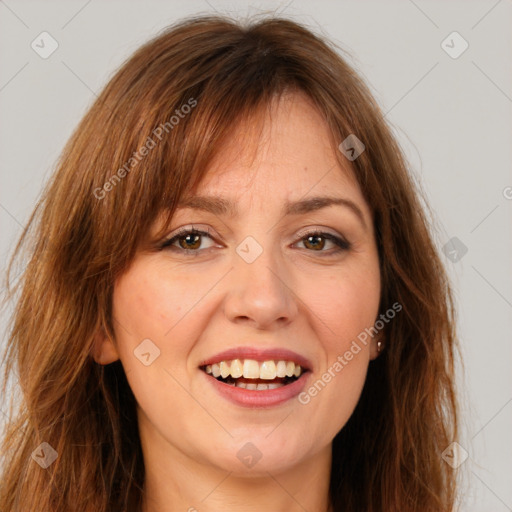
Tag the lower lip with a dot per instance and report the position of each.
(255, 398)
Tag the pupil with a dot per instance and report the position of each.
(187, 238)
(317, 237)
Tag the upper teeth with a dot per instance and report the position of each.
(251, 369)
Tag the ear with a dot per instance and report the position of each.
(103, 350)
(374, 347)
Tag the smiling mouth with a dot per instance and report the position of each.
(254, 375)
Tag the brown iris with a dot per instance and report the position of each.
(314, 246)
(196, 240)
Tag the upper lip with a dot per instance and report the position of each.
(258, 354)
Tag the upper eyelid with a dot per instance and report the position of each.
(187, 229)
(205, 231)
(323, 231)
(197, 227)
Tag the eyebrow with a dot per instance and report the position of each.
(221, 206)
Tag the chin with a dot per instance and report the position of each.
(259, 452)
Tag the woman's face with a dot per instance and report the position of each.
(259, 289)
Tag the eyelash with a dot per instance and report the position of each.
(340, 243)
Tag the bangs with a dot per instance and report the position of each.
(187, 155)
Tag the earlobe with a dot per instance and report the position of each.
(377, 347)
(103, 350)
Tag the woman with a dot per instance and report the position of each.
(232, 301)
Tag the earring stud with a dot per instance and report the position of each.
(379, 346)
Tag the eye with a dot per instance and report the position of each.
(316, 241)
(188, 239)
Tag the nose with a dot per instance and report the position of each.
(261, 293)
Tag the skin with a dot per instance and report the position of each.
(294, 296)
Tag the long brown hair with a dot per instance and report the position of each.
(95, 213)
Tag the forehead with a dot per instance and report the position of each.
(284, 155)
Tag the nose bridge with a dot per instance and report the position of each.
(259, 292)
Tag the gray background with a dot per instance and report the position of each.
(451, 116)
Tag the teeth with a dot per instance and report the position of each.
(268, 370)
(236, 369)
(281, 369)
(251, 369)
(225, 369)
(258, 387)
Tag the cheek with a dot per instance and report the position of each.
(345, 303)
(148, 303)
